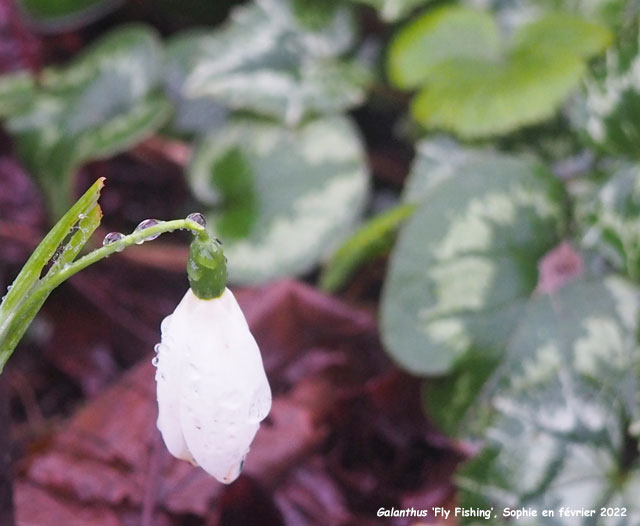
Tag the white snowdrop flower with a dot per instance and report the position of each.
(211, 385)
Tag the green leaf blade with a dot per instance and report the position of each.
(476, 99)
(104, 101)
(87, 212)
(80, 233)
(370, 241)
(562, 401)
(123, 131)
(273, 65)
(571, 34)
(307, 188)
(434, 38)
(466, 261)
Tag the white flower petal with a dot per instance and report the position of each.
(168, 374)
(222, 392)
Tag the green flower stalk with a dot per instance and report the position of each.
(56, 259)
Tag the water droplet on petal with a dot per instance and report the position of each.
(157, 347)
(197, 217)
(155, 361)
(147, 223)
(113, 237)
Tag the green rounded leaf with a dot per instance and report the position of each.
(435, 37)
(281, 199)
(480, 98)
(466, 261)
(568, 33)
(480, 85)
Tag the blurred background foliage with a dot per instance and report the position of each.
(513, 242)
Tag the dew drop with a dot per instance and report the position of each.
(113, 237)
(155, 361)
(157, 347)
(147, 223)
(197, 217)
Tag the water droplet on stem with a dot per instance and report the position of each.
(113, 237)
(147, 223)
(197, 217)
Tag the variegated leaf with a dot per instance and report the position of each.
(466, 262)
(564, 399)
(281, 199)
(266, 61)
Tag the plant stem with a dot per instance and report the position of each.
(132, 239)
(16, 318)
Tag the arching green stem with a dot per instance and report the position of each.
(60, 248)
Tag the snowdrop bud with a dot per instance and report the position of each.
(211, 385)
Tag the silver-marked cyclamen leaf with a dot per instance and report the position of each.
(466, 262)
(564, 399)
(281, 199)
(192, 115)
(608, 113)
(103, 102)
(265, 61)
